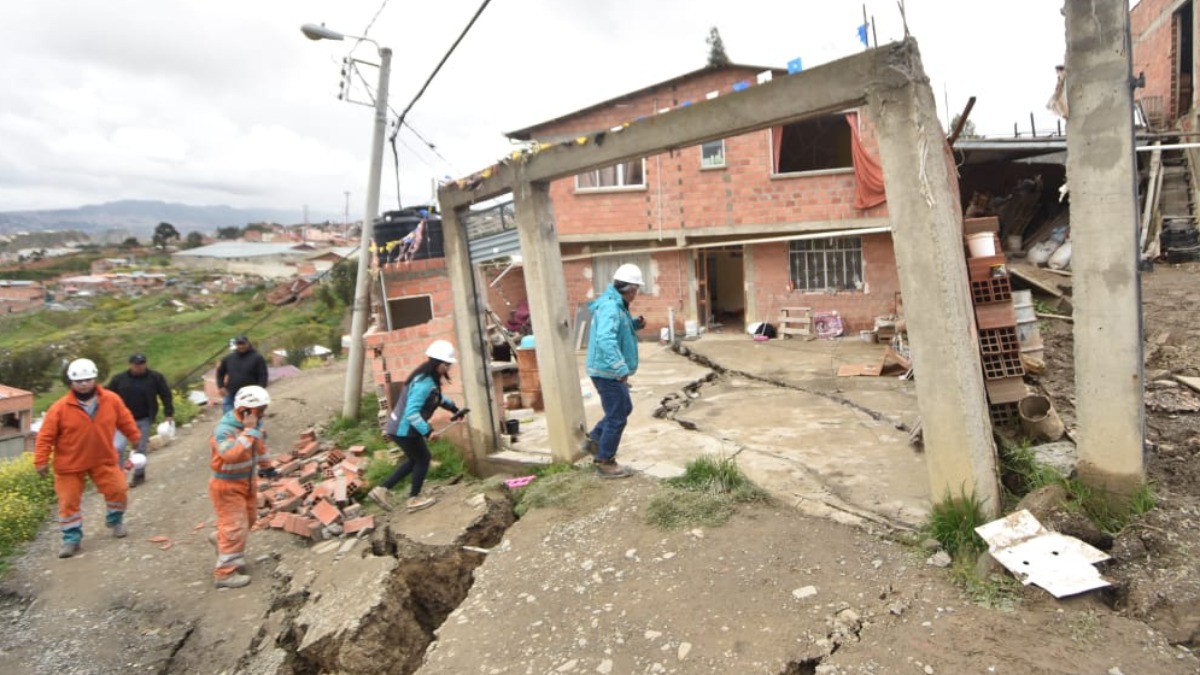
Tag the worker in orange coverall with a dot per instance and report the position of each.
(238, 449)
(78, 430)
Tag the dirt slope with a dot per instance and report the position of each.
(127, 606)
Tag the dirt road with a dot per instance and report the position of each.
(128, 605)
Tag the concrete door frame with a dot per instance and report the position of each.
(926, 220)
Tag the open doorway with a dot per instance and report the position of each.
(721, 295)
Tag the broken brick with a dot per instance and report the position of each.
(339, 491)
(326, 512)
(356, 449)
(334, 456)
(366, 523)
(289, 504)
(279, 520)
(307, 450)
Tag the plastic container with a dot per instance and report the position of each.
(1023, 304)
(527, 342)
(981, 244)
(1039, 419)
(691, 328)
(868, 336)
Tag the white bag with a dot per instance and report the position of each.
(1061, 259)
(167, 429)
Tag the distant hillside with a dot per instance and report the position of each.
(140, 218)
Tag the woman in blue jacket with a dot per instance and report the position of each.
(408, 424)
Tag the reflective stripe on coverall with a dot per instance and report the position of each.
(233, 489)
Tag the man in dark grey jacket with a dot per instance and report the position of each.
(242, 367)
(141, 388)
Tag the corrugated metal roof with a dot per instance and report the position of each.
(243, 249)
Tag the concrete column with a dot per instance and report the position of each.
(547, 292)
(474, 353)
(927, 230)
(1104, 246)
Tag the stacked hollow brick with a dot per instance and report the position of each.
(312, 495)
(996, 322)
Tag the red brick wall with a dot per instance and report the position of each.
(679, 195)
(1150, 27)
(504, 297)
(858, 309)
(397, 353)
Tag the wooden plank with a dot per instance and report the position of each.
(1190, 382)
(1033, 277)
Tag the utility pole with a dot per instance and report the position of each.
(362, 290)
(346, 217)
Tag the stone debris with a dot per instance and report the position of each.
(804, 592)
(939, 559)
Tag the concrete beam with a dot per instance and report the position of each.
(926, 218)
(474, 352)
(546, 290)
(827, 88)
(1101, 172)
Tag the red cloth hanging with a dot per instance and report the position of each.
(868, 175)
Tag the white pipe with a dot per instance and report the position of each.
(1177, 146)
(671, 325)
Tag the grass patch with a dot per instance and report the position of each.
(1021, 472)
(676, 508)
(560, 489)
(1108, 512)
(953, 521)
(705, 495)
(718, 475)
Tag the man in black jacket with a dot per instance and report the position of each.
(141, 388)
(241, 368)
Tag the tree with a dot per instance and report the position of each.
(229, 233)
(968, 130)
(716, 49)
(29, 369)
(164, 233)
(130, 242)
(194, 240)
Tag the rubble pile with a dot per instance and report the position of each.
(313, 495)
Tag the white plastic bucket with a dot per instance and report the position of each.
(981, 244)
(691, 328)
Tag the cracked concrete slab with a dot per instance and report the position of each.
(835, 447)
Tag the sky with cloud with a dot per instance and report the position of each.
(223, 102)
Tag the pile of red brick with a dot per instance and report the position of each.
(313, 494)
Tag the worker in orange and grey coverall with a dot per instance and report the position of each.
(238, 449)
(78, 429)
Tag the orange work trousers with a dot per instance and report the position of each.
(109, 480)
(234, 502)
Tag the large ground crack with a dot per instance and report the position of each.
(672, 404)
(377, 612)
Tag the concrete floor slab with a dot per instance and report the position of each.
(833, 446)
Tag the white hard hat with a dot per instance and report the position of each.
(443, 351)
(252, 396)
(82, 369)
(138, 460)
(630, 274)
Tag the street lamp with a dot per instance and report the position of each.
(353, 394)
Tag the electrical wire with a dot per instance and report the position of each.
(372, 21)
(441, 63)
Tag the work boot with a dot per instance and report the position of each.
(69, 549)
(212, 538)
(610, 469)
(119, 531)
(138, 479)
(379, 495)
(233, 581)
(418, 503)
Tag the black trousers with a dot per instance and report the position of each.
(416, 463)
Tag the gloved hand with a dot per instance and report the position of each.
(269, 473)
(44, 471)
(459, 414)
(639, 323)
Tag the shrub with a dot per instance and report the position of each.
(24, 496)
(953, 521)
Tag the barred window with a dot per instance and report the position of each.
(834, 263)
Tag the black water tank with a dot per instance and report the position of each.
(396, 225)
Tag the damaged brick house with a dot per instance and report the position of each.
(728, 233)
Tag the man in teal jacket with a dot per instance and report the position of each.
(612, 358)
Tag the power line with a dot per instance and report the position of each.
(441, 63)
(372, 21)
